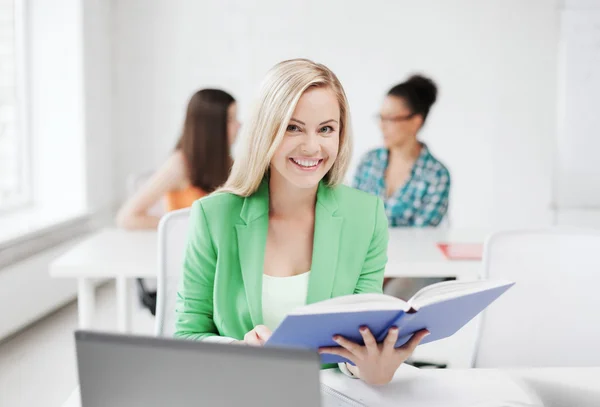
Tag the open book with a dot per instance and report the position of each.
(442, 308)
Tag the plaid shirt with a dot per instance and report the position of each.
(421, 201)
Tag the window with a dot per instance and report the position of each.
(14, 157)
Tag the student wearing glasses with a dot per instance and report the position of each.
(413, 184)
(283, 232)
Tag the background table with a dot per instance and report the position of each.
(413, 252)
(110, 253)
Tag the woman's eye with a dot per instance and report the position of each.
(293, 128)
(326, 129)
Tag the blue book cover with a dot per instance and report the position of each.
(441, 308)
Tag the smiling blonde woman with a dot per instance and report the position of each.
(283, 232)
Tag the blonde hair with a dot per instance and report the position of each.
(279, 93)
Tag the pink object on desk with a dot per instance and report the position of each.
(461, 251)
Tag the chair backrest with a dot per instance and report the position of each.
(135, 181)
(172, 240)
(550, 316)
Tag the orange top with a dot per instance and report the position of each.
(183, 198)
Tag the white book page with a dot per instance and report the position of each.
(354, 303)
(452, 289)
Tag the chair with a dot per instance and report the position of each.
(549, 317)
(172, 240)
(146, 288)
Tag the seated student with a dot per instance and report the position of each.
(200, 163)
(283, 232)
(413, 184)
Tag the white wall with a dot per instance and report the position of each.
(495, 63)
(98, 99)
(577, 174)
(27, 288)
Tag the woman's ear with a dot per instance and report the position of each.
(418, 122)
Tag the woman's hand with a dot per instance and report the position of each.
(375, 363)
(258, 336)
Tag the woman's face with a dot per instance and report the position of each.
(233, 125)
(397, 123)
(311, 142)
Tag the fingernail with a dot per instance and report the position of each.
(394, 328)
(427, 333)
(363, 329)
(336, 338)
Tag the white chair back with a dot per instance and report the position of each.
(135, 181)
(550, 316)
(172, 241)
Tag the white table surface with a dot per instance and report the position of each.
(110, 253)
(74, 399)
(550, 387)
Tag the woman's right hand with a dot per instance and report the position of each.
(258, 336)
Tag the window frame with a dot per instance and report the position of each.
(22, 127)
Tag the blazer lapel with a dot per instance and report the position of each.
(326, 244)
(251, 239)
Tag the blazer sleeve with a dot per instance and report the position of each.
(194, 306)
(371, 276)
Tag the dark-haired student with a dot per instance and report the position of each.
(199, 164)
(412, 183)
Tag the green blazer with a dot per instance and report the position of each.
(221, 288)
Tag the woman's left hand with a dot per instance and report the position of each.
(375, 363)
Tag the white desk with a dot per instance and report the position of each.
(74, 399)
(110, 253)
(550, 387)
(558, 387)
(124, 255)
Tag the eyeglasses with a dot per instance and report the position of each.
(394, 119)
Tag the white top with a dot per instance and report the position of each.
(282, 295)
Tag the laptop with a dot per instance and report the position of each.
(121, 370)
